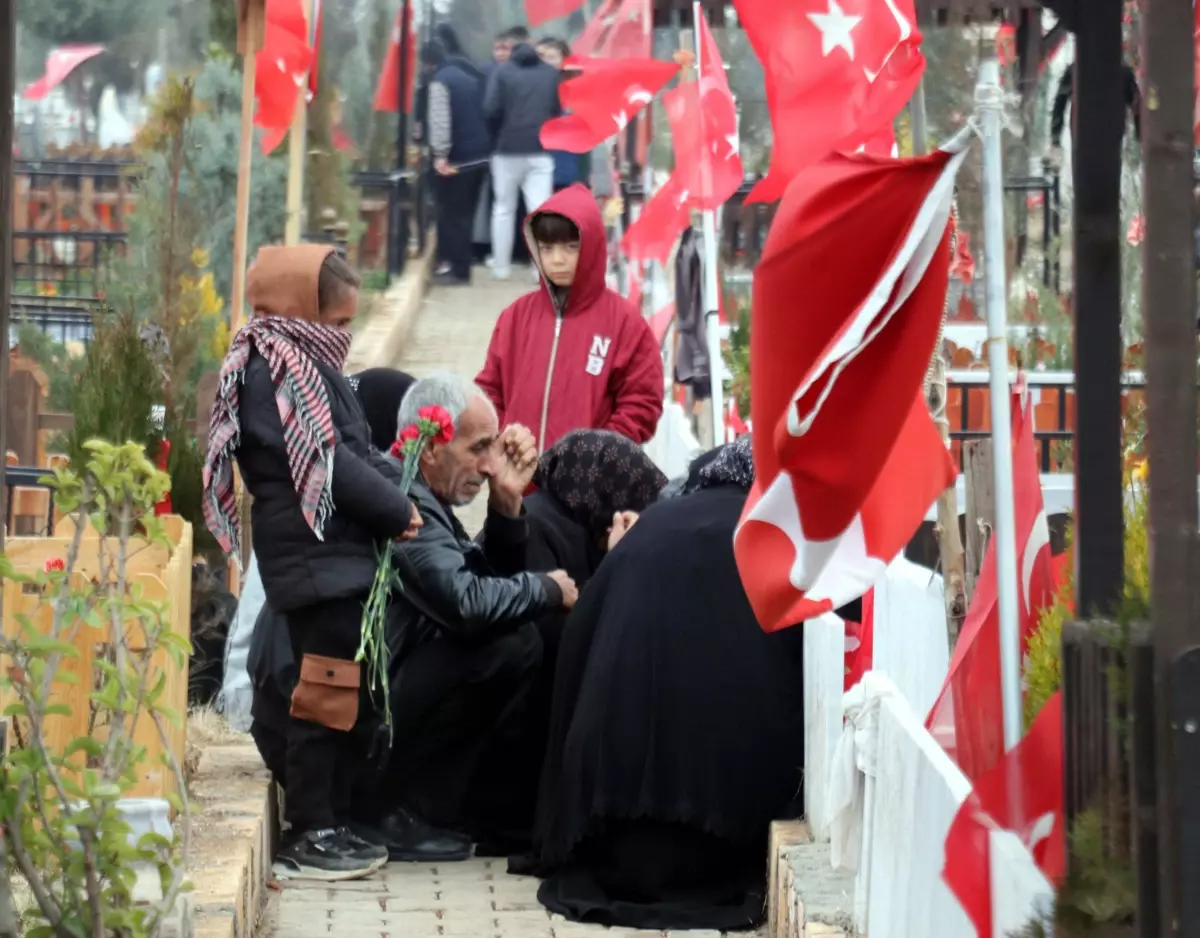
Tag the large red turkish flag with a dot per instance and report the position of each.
(387, 91)
(704, 133)
(847, 302)
(602, 100)
(968, 717)
(620, 29)
(59, 64)
(281, 70)
(822, 62)
(1033, 809)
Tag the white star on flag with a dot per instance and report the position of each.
(836, 26)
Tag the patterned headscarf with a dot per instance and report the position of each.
(291, 348)
(732, 464)
(594, 474)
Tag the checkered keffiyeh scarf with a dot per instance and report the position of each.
(291, 347)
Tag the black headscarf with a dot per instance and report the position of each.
(380, 391)
(593, 474)
(729, 464)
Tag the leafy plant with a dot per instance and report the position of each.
(117, 388)
(60, 807)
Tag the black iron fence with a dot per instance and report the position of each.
(73, 265)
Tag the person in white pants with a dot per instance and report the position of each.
(522, 94)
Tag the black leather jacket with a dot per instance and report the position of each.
(456, 587)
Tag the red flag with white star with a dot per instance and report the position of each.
(1022, 793)
(602, 100)
(704, 132)
(387, 91)
(621, 29)
(662, 220)
(822, 60)
(281, 70)
(848, 298)
(968, 717)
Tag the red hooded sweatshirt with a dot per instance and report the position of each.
(591, 364)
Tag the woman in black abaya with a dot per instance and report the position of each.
(590, 485)
(677, 730)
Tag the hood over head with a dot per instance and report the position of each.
(577, 203)
(525, 56)
(380, 391)
(282, 281)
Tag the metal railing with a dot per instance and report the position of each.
(27, 477)
(61, 320)
(72, 265)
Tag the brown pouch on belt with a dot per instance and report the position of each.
(327, 692)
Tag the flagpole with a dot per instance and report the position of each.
(712, 276)
(298, 146)
(250, 38)
(989, 98)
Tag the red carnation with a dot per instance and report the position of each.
(441, 423)
(54, 565)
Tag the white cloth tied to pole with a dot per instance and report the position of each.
(853, 760)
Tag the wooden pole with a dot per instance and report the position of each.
(1169, 304)
(250, 38)
(297, 151)
(981, 505)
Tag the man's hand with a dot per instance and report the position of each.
(622, 522)
(442, 167)
(570, 592)
(518, 460)
(414, 525)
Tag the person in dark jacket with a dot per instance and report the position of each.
(677, 729)
(522, 94)
(589, 488)
(1065, 96)
(458, 137)
(322, 503)
(456, 55)
(465, 649)
(380, 391)
(569, 168)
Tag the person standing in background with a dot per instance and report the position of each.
(458, 138)
(569, 168)
(522, 94)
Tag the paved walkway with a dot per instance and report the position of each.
(477, 899)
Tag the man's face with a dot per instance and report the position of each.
(501, 50)
(550, 54)
(456, 471)
(559, 262)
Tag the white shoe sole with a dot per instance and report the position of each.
(284, 871)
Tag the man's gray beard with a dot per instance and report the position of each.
(464, 501)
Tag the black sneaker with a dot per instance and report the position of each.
(364, 841)
(409, 839)
(325, 855)
(449, 279)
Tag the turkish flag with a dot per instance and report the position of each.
(860, 643)
(281, 70)
(538, 12)
(848, 298)
(967, 718)
(634, 273)
(621, 29)
(59, 64)
(602, 100)
(704, 132)
(660, 323)
(387, 91)
(1035, 813)
(663, 218)
(314, 34)
(829, 79)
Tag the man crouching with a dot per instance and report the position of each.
(464, 647)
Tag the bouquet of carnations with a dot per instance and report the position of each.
(434, 424)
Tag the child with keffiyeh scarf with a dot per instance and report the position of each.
(323, 502)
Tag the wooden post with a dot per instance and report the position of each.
(1169, 305)
(298, 151)
(252, 19)
(981, 505)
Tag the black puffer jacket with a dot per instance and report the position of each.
(451, 584)
(297, 568)
(522, 94)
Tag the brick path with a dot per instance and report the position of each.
(477, 899)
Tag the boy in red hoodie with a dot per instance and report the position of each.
(573, 354)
